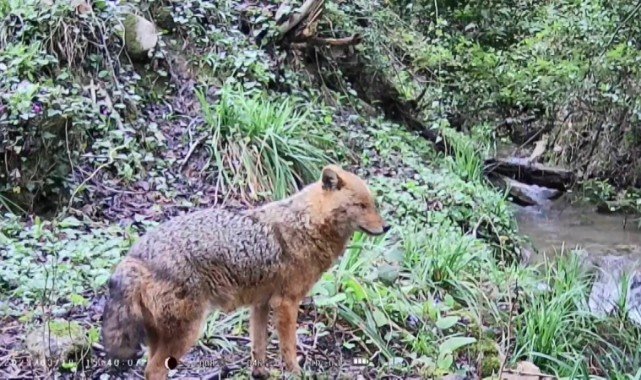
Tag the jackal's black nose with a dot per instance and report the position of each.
(386, 227)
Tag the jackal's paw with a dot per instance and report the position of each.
(294, 371)
(260, 373)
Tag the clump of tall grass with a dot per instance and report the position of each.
(467, 157)
(262, 147)
(559, 333)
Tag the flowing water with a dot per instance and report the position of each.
(559, 226)
(556, 225)
(612, 246)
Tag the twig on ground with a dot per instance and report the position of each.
(192, 148)
(232, 337)
(194, 145)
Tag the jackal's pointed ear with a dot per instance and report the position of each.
(330, 179)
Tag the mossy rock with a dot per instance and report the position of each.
(491, 357)
(58, 342)
(141, 37)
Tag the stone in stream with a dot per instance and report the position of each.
(616, 273)
(524, 194)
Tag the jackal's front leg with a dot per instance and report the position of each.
(286, 315)
(258, 333)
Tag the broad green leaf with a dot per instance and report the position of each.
(447, 322)
(325, 301)
(70, 222)
(445, 361)
(379, 318)
(359, 292)
(454, 343)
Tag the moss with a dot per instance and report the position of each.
(62, 328)
(131, 38)
(60, 341)
(491, 362)
(164, 18)
(490, 366)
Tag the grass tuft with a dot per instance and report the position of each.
(262, 147)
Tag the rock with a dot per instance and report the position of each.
(527, 367)
(388, 274)
(520, 192)
(605, 296)
(141, 37)
(81, 6)
(527, 254)
(57, 341)
(523, 194)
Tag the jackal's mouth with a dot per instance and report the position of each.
(370, 232)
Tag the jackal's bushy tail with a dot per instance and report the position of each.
(122, 324)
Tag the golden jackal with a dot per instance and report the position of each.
(268, 257)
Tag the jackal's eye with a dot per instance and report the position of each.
(362, 206)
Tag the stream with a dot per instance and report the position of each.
(611, 246)
(557, 226)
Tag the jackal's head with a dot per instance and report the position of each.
(349, 202)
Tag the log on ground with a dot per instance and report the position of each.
(523, 170)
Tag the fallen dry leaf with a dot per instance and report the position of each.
(525, 371)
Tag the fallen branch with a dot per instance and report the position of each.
(510, 121)
(345, 41)
(309, 7)
(516, 190)
(377, 90)
(531, 173)
(334, 42)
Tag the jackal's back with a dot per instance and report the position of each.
(213, 247)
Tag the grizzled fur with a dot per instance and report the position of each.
(268, 257)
